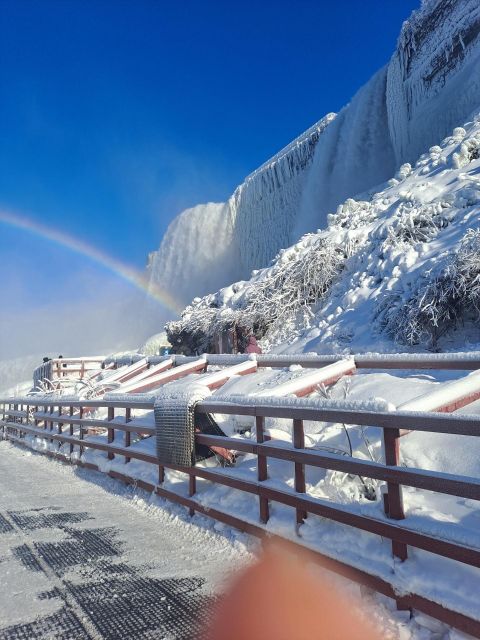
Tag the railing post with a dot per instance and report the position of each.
(262, 468)
(299, 443)
(81, 429)
(393, 499)
(60, 424)
(45, 421)
(51, 409)
(128, 417)
(110, 431)
(70, 430)
(192, 487)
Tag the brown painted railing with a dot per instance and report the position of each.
(76, 367)
(71, 423)
(460, 361)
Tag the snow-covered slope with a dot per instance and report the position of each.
(401, 266)
(431, 84)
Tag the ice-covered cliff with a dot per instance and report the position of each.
(196, 248)
(433, 79)
(431, 84)
(399, 268)
(210, 245)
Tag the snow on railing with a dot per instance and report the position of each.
(308, 382)
(145, 373)
(447, 397)
(219, 378)
(154, 381)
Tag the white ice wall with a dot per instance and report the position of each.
(431, 84)
(211, 245)
(196, 253)
(433, 79)
(354, 154)
(265, 207)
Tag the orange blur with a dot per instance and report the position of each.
(279, 598)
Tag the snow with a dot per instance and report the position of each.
(445, 395)
(148, 537)
(317, 377)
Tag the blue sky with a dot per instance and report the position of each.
(116, 115)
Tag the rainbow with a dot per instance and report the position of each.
(126, 272)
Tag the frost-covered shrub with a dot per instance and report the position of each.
(292, 288)
(469, 151)
(418, 223)
(440, 300)
(352, 214)
(275, 299)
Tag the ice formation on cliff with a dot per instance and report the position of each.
(431, 84)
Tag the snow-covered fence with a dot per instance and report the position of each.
(120, 369)
(71, 429)
(77, 367)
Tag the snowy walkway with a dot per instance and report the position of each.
(78, 561)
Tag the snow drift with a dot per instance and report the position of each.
(430, 85)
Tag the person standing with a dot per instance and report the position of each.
(252, 346)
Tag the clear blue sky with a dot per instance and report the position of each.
(116, 115)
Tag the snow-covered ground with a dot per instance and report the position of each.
(85, 557)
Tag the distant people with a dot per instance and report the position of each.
(46, 359)
(252, 346)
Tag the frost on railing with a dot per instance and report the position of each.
(42, 373)
(378, 405)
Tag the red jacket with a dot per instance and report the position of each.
(252, 346)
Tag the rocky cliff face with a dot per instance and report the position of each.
(431, 84)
